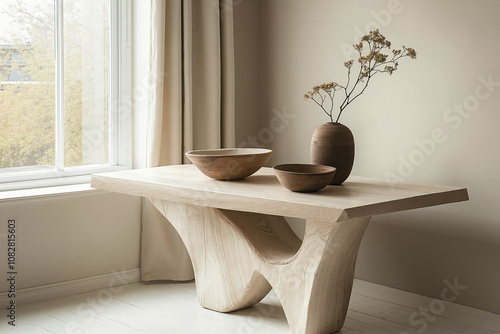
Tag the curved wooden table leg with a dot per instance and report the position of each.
(223, 246)
(315, 286)
(238, 256)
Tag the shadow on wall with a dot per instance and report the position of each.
(408, 252)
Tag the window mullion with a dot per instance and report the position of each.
(113, 124)
(59, 59)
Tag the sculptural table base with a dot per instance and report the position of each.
(238, 256)
(241, 246)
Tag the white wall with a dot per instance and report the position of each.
(68, 237)
(457, 43)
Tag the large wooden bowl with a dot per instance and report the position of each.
(304, 177)
(229, 163)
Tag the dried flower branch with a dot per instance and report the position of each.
(373, 62)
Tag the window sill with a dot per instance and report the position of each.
(45, 192)
(15, 183)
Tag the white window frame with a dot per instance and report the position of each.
(120, 128)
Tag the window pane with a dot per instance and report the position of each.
(86, 81)
(27, 83)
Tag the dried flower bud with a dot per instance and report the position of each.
(371, 63)
(411, 52)
(358, 47)
(380, 58)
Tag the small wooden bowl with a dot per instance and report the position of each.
(304, 177)
(229, 163)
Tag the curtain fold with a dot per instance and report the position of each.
(191, 106)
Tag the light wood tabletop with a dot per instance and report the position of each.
(241, 245)
(262, 193)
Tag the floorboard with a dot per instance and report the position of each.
(172, 307)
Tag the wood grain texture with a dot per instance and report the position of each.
(304, 177)
(314, 287)
(240, 245)
(262, 193)
(235, 254)
(229, 163)
(216, 250)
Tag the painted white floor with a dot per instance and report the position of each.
(171, 307)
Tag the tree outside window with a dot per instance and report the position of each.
(28, 95)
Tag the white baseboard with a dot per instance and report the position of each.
(73, 287)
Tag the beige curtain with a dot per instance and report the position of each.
(191, 106)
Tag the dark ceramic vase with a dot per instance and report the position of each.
(332, 144)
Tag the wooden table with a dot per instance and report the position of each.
(241, 246)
